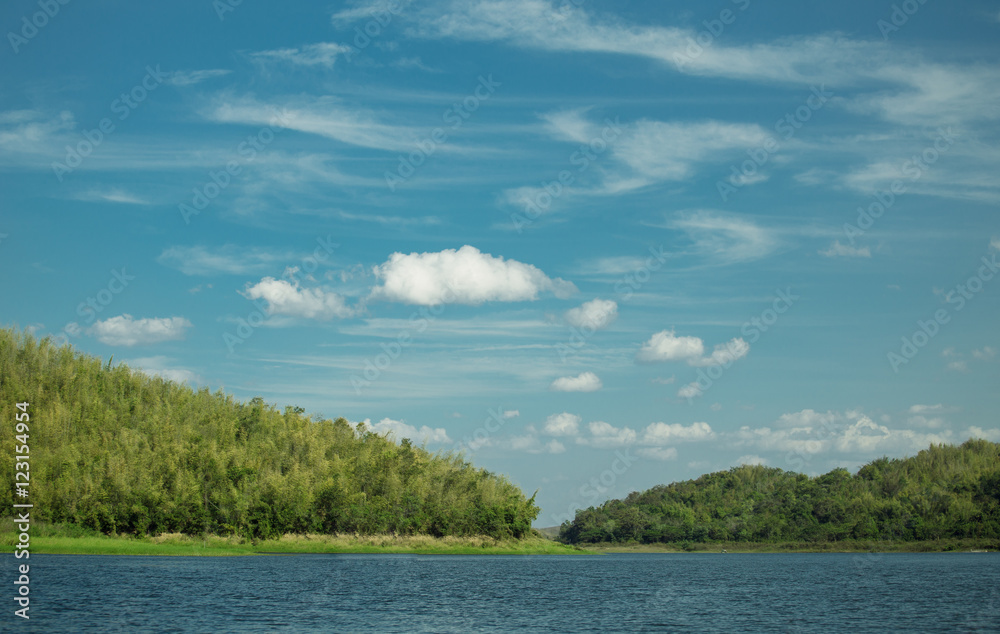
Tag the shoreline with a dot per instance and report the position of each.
(970, 545)
(215, 546)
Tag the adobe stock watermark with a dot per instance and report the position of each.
(90, 307)
(123, 106)
(456, 116)
(247, 151)
(418, 322)
(373, 28)
(913, 168)
(246, 326)
(753, 329)
(624, 289)
(32, 25)
(747, 172)
(959, 296)
(713, 29)
(582, 158)
(598, 487)
(900, 15)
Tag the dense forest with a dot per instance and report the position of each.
(122, 452)
(943, 492)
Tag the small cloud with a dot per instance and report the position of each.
(923, 409)
(958, 366)
(604, 436)
(595, 314)
(658, 453)
(716, 407)
(690, 391)
(191, 77)
(287, 298)
(752, 460)
(986, 354)
(995, 244)
(564, 424)
(123, 330)
(667, 346)
(846, 251)
(665, 381)
(585, 382)
(511, 413)
(664, 433)
(399, 429)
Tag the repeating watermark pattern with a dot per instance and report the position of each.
(455, 116)
(713, 29)
(624, 289)
(32, 25)
(752, 329)
(598, 487)
(373, 28)
(247, 151)
(748, 171)
(914, 169)
(900, 15)
(417, 323)
(246, 326)
(959, 296)
(123, 106)
(541, 199)
(22, 509)
(224, 7)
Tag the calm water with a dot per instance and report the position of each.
(396, 593)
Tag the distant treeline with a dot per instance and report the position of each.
(122, 452)
(943, 492)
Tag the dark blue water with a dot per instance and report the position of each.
(403, 593)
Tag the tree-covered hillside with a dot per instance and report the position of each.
(122, 452)
(943, 492)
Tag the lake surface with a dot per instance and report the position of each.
(405, 593)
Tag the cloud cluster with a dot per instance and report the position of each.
(667, 346)
(462, 276)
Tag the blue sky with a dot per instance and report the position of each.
(597, 246)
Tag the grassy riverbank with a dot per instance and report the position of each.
(63, 540)
(934, 546)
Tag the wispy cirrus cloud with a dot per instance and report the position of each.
(228, 259)
(323, 54)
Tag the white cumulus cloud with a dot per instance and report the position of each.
(595, 314)
(667, 433)
(287, 298)
(585, 382)
(123, 330)
(564, 424)
(463, 276)
(667, 346)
